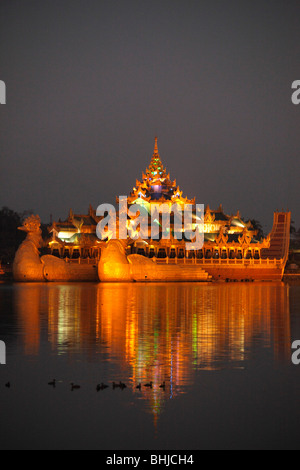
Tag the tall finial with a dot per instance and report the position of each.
(156, 147)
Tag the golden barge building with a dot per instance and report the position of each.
(231, 250)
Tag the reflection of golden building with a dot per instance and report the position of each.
(27, 304)
(158, 332)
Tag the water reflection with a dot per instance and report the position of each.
(157, 332)
(28, 306)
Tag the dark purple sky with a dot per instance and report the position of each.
(90, 83)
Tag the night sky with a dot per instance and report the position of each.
(90, 83)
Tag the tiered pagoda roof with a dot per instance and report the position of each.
(156, 185)
(75, 224)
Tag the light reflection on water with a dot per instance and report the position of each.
(154, 332)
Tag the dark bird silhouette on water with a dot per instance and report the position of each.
(149, 385)
(101, 386)
(75, 387)
(7, 385)
(52, 384)
(122, 386)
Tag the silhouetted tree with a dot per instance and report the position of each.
(293, 228)
(295, 238)
(257, 226)
(10, 236)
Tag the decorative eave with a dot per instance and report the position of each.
(222, 238)
(266, 242)
(245, 238)
(133, 197)
(209, 218)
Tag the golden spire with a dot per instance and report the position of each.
(156, 148)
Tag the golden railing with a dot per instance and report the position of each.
(194, 261)
(83, 261)
(212, 261)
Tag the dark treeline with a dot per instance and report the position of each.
(295, 237)
(257, 226)
(10, 236)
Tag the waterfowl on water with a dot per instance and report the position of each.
(75, 387)
(163, 385)
(7, 385)
(120, 385)
(149, 385)
(101, 386)
(139, 386)
(52, 384)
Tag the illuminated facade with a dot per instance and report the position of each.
(231, 248)
(75, 237)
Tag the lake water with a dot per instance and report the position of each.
(223, 351)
